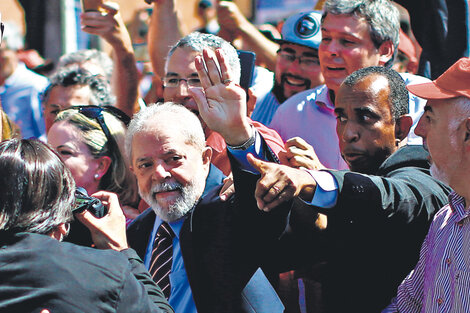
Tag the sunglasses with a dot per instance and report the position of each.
(96, 112)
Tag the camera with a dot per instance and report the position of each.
(84, 202)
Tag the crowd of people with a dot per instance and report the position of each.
(335, 182)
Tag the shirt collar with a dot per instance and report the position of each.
(457, 204)
(15, 75)
(175, 226)
(323, 99)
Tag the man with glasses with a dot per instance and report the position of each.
(181, 75)
(355, 34)
(297, 64)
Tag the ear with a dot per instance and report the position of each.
(386, 50)
(104, 163)
(467, 134)
(402, 126)
(60, 232)
(207, 156)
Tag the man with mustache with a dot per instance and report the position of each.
(355, 34)
(439, 281)
(374, 216)
(214, 246)
(297, 65)
(181, 76)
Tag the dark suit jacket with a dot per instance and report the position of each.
(222, 243)
(38, 272)
(374, 234)
(442, 29)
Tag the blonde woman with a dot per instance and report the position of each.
(90, 141)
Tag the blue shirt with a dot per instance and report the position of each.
(181, 298)
(265, 109)
(20, 97)
(326, 192)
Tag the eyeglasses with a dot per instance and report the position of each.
(2, 27)
(173, 82)
(306, 63)
(96, 112)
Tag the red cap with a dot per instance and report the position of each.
(453, 83)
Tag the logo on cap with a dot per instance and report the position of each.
(306, 27)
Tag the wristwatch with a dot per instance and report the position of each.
(247, 143)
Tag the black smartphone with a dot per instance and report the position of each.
(247, 64)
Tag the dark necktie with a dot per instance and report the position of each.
(162, 255)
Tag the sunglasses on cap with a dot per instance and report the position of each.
(96, 112)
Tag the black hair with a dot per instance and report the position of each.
(37, 189)
(398, 94)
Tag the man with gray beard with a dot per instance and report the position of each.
(216, 244)
(213, 247)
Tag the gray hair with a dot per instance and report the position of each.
(197, 41)
(398, 94)
(74, 75)
(462, 112)
(381, 15)
(168, 112)
(37, 188)
(99, 58)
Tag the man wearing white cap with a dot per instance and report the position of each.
(355, 34)
(439, 282)
(297, 65)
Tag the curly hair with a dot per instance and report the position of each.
(71, 75)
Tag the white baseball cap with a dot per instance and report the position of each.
(302, 29)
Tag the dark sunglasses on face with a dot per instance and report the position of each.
(96, 112)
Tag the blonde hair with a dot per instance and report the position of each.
(9, 129)
(119, 178)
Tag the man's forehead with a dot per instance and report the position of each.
(345, 23)
(298, 49)
(182, 58)
(372, 90)
(159, 142)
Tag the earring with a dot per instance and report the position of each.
(96, 176)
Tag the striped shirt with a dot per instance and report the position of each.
(265, 109)
(440, 281)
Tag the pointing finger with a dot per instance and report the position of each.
(259, 165)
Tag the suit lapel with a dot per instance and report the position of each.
(138, 232)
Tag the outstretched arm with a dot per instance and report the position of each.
(280, 183)
(110, 26)
(164, 32)
(232, 21)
